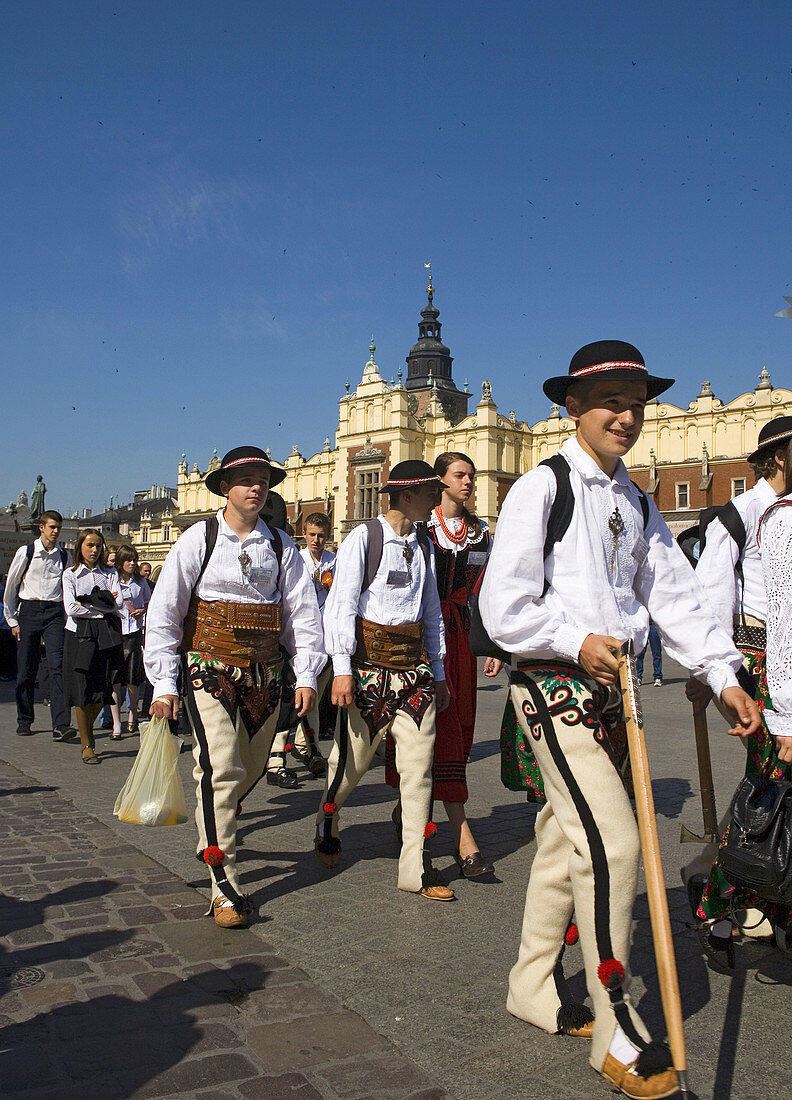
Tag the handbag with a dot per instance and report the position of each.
(757, 855)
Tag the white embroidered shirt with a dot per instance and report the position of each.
(593, 590)
(776, 547)
(410, 600)
(225, 579)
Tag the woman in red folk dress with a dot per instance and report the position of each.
(461, 543)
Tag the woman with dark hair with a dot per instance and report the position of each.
(461, 544)
(93, 651)
(136, 595)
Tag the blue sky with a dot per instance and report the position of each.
(210, 207)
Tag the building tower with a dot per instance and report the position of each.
(429, 367)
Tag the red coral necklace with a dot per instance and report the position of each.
(456, 537)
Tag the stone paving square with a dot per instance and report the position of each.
(117, 985)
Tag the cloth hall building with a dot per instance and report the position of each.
(686, 459)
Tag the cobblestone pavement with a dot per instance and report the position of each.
(344, 987)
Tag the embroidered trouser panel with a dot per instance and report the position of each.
(587, 853)
(282, 737)
(402, 704)
(233, 713)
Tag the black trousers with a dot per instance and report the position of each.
(39, 621)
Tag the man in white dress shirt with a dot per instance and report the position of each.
(33, 605)
(232, 592)
(730, 567)
(384, 632)
(562, 610)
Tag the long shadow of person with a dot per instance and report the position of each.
(17, 914)
(112, 1045)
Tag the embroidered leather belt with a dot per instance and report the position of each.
(750, 633)
(240, 634)
(395, 647)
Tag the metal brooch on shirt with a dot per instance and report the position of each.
(245, 562)
(616, 528)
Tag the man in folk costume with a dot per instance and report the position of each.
(461, 544)
(562, 610)
(384, 632)
(233, 595)
(730, 567)
(733, 576)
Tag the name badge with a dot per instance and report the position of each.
(477, 557)
(260, 576)
(399, 578)
(640, 550)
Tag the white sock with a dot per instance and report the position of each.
(622, 1049)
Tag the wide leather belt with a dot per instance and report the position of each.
(395, 647)
(240, 634)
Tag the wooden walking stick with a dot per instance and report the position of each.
(653, 867)
(705, 782)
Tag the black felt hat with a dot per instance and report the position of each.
(241, 456)
(409, 473)
(605, 359)
(774, 434)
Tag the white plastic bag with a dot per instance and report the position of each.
(153, 793)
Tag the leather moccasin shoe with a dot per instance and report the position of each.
(631, 1083)
(583, 1032)
(226, 916)
(437, 893)
(473, 866)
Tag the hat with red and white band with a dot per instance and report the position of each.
(777, 433)
(242, 456)
(410, 474)
(606, 359)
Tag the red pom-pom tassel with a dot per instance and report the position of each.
(611, 973)
(329, 808)
(430, 830)
(287, 747)
(213, 855)
(572, 935)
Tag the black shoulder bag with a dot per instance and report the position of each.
(757, 855)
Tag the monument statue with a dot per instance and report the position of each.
(22, 500)
(37, 498)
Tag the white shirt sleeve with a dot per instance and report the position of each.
(11, 594)
(341, 606)
(301, 624)
(776, 549)
(513, 611)
(668, 587)
(715, 573)
(434, 631)
(168, 607)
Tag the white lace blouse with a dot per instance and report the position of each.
(775, 538)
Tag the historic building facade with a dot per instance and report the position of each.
(686, 459)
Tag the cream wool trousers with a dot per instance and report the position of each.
(351, 755)
(586, 861)
(228, 764)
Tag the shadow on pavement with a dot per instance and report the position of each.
(89, 1044)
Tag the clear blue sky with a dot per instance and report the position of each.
(208, 208)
